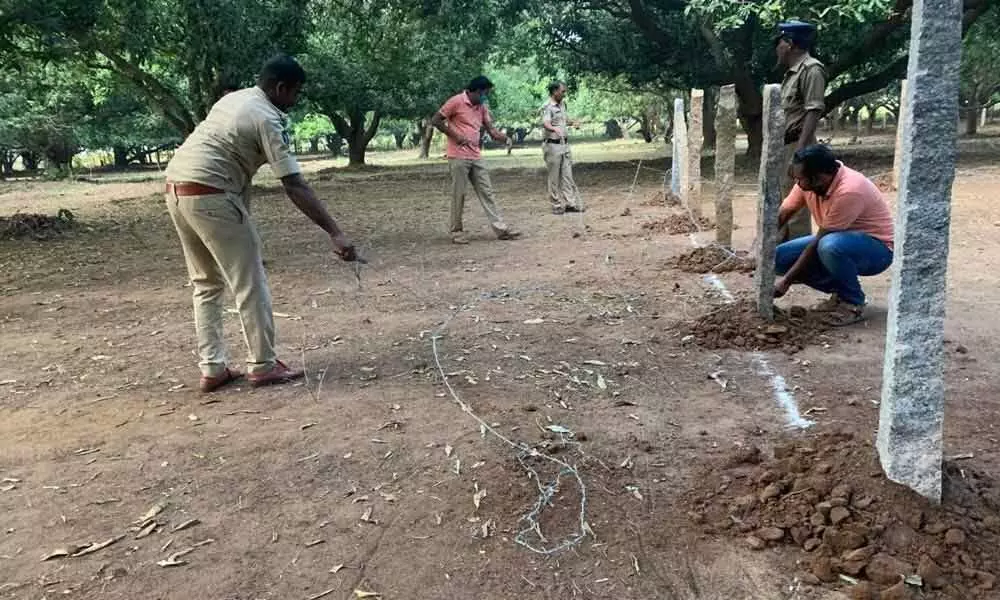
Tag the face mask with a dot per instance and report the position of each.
(483, 97)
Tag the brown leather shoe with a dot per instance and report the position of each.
(279, 373)
(508, 234)
(458, 237)
(210, 384)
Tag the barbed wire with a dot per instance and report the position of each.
(545, 492)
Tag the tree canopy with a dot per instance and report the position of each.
(134, 76)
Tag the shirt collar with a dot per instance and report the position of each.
(798, 63)
(837, 180)
(262, 94)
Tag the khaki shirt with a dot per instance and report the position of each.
(242, 132)
(555, 115)
(802, 90)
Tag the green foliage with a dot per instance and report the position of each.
(980, 76)
(41, 113)
(391, 58)
(520, 92)
(724, 15)
(176, 54)
(312, 126)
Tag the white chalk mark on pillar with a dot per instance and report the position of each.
(782, 395)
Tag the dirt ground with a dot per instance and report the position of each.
(370, 477)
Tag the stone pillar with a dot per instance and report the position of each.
(897, 161)
(696, 140)
(675, 152)
(911, 416)
(772, 167)
(680, 160)
(725, 164)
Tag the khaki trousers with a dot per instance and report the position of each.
(562, 189)
(222, 248)
(800, 224)
(464, 172)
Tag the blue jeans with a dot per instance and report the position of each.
(841, 257)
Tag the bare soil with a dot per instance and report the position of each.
(569, 343)
(677, 224)
(713, 259)
(828, 496)
(27, 225)
(739, 325)
(662, 198)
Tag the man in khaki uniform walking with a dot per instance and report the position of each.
(802, 98)
(207, 183)
(462, 119)
(563, 193)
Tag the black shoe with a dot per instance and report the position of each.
(558, 210)
(573, 209)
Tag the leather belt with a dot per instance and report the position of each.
(192, 189)
(548, 141)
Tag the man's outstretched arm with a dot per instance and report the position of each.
(303, 197)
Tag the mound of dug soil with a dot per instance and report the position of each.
(713, 259)
(827, 495)
(675, 224)
(739, 326)
(39, 227)
(662, 198)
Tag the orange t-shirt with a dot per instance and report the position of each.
(853, 203)
(467, 120)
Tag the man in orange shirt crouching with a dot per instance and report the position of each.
(855, 234)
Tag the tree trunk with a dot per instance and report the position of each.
(708, 117)
(971, 120)
(356, 150)
(314, 145)
(7, 158)
(29, 159)
(426, 138)
(748, 93)
(751, 109)
(334, 144)
(121, 157)
(357, 135)
(647, 128)
(613, 130)
(753, 126)
(400, 137)
(870, 124)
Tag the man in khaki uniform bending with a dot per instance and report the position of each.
(802, 100)
(563, 193)
(207, 183)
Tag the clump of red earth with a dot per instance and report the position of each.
(827, 496)
(713, 259)
(677, 224)
(738, 325)
(662, 198)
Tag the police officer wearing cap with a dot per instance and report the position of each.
(802, 99)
